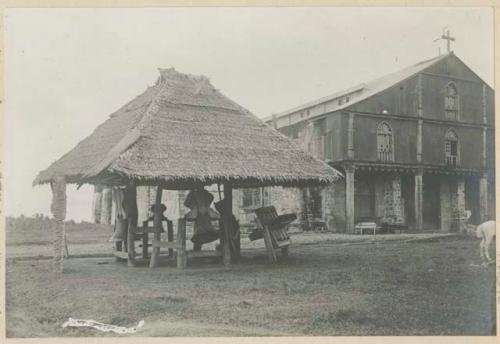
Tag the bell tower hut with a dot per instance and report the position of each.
(180, 134)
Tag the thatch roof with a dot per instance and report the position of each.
(182, 131)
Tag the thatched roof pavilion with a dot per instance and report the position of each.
(183, 131)
(180, 133)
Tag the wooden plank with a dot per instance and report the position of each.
(203, 254)
(165, 244)
(131, 209)
(170, 237)
(269, 245)
(145, 245)
(157, 224)
(181, 241)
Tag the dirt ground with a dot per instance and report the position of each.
(359, 286)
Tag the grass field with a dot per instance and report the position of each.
(426, 287)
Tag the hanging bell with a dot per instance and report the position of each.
(120, 233)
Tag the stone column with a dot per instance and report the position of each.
(97, 204)
(349, 198)
(305, 209)
(445, 202)
(483, 198)
(106, 208)
(460, 204)
(419, 201)
(58, 209)
(392, 200)
(328, 206)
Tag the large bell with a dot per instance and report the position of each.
(120, 233)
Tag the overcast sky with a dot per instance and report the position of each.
(68, 69)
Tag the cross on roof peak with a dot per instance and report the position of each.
(448, 38)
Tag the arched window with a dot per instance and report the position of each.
(451, 148)
(385, 142)
(451, 102)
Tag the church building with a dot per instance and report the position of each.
(416, 148)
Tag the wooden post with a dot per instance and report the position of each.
(157, 225)
(181, 244)
(419, 201)
(349, 198)
(227, 218)
(58, 208)
(131, 209)
(145, 242)
(106, 206)
(170, 237)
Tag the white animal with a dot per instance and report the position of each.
(486, 231)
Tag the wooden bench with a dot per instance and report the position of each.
(274, 231)
(141, 233)
(362, 227)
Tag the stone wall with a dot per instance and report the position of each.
(458, 206)
(393, 207)
(452, 199)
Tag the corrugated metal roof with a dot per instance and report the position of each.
(365, 90)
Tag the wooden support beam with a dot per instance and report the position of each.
(170, 237)
(58, 209)
(269, 245)
(157, 225)
(145, 245)
(227, 219)
(131, 210)
(181, 244)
